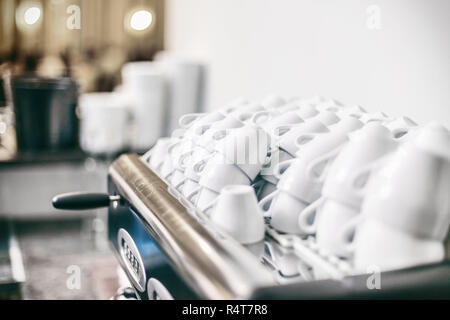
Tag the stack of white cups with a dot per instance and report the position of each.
(369, 187)
(301, 179)
(406, 211)
(341, 197)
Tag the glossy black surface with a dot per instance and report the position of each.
(156, 264)
(45, 112)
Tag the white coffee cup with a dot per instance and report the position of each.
(307, 111)
(237, 213)
(156, 156)
(330, 105)
(262, 117)
(332, 218)
(199, 119)
(290, 142)
(400, 126)
(289, 118)
(218, 172)
(365, 146)
(283, 209)
(247, 148)
(168, 167)
(246, 112)
(273, 101)
(353, 111)
(376, 116)
(328, 118)
(303, 177)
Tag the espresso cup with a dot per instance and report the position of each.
(353, 111)
(246, 112)
(332, 218)
(374, 117)
(262, 117)
(197, 123)
(307, 111)
(400, 126)
(365, 146)
(291, 140)
(283, 209)
(289, 118)
(273, 101)
(330, 105)
(237, 213)
(156, 156)
(218, 172)
(247, 148)
(328, 118)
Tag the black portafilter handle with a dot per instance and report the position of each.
(83, 200)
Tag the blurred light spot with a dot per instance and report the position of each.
(32, 15)
(141, 20)
(90, 164)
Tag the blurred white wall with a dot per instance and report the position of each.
(389, 55)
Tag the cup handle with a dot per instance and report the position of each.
(268, 199)
(220, 134)
(270, 250)
(173, 145)
(361, 190)
(399, 134)
(322, 160)
(307, 215)
(278, 131)
(281, 167)
(187, 120)
(182, 182)
(198, 166)
(182, 158)
(256, 119)
(193, 193)
(345, 235)
(299, 140)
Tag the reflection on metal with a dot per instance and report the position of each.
(216, 270)
(132, 259)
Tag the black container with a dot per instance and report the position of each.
(45, 112)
